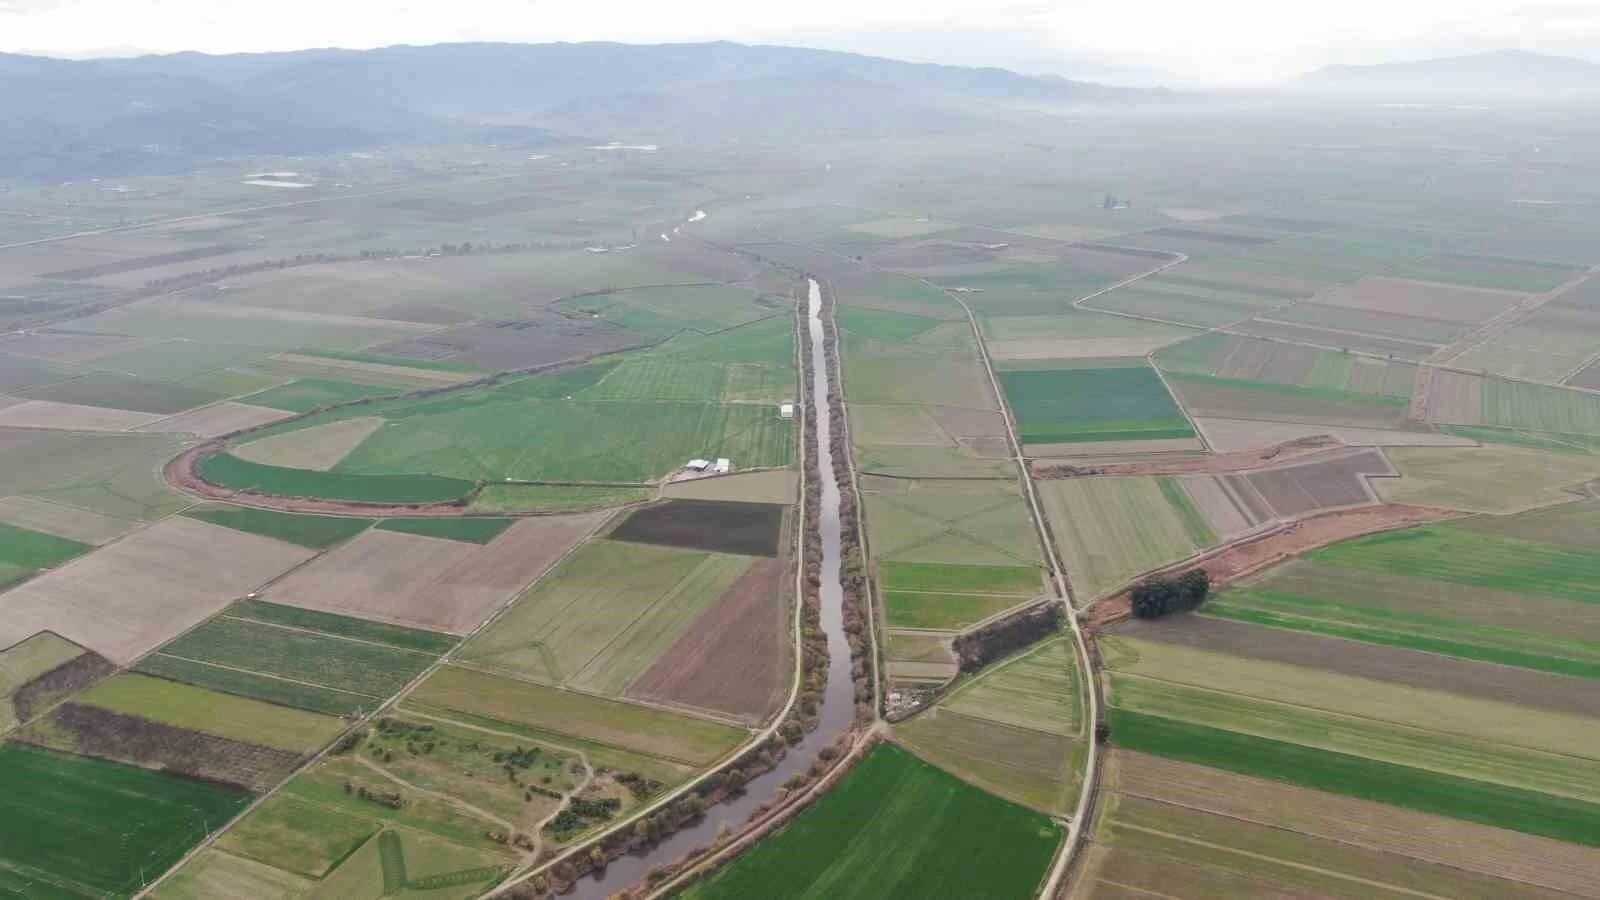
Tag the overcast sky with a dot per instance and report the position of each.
(1220, 41)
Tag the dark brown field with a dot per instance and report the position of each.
(1414, 668)
(516, 344)
(750, 529)
(732, 658)
(89, 731)
(1297, 490)
(68, 678)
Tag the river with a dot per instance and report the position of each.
(838, 700)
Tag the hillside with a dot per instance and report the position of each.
(1502, 74)
(160, 113)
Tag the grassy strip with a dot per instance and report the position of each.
(515, 498)
(1194, 522)
(343, 626)
(949, 839)
(914, 609)
(941, 578)
(224, 715)
(1411, 641)
(256, 687)
(317, 532)
(475, 530)
(1355, 776)
(1560, 443)
(28, 549)
(1164, 429)
(306, 394)
(232, 472)
(74, 826)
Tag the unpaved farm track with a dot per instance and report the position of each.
(1211, 464)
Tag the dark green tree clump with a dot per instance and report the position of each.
(1157, 596)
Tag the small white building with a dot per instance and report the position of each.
(786, 410)
(697, 465)
(722, 467)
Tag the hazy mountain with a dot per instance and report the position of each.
(62, 118)
(1498, 75)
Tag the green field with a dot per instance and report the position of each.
(521, 498)
(315, 661)
(266, 688)
(216, 874)
(949, 839)
(473, 530)
(23, 552)
(26, 660)
(605, 614)
(661, 312)
(1547, 815)
(307, 394)
(954, 579)
(1112, 529)
(72, 826)
(981, 523)
(318, 532)
(1449, 754)
(1457, 555)
(1111, 403)
(230, 471)
(1537, 407)
(197, 709)
(920, 609)
(1036, 690)
(342, 626)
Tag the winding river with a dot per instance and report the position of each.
(838, 700)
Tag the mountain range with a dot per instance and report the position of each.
(1500, 75)
(65, 118)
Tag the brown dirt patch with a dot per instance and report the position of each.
(218, 419)
(1413, 668)
(422, 582)
(68, 678)
(90, 731)
(1474, 848)
(1307, 487)
(748, 529)
(732, 658)
(130, 596)
(518, 343)
(777, 486)
(1229, 514)
(318, 448)
(72, 417)
(1426, 299)
(1233, 461)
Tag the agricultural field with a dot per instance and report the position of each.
(1013, 730)
(1091, 400)
(548, 498)
(183, 730)
(1111, 529)
(1185, 302)
(1320, 373)
(36, 672)
(114, 476)
(315, 532)
(305, 659)
(947, 596)
(75, 826)
(126, 598)
(1440, 673)
(1492, 478)
(718, 526)
(960, 522)
(24, 552)
(433, 582)
(952, 836)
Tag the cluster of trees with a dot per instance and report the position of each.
(1000, 638)
(1157, 596)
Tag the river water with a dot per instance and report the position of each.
(838, 699)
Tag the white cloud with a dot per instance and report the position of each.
(1224, 40)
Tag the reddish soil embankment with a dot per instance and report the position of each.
(1232, 562)
(183, 473)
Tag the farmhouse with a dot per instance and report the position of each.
(697, 465)
(786, 410)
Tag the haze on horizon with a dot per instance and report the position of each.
(1230, 42)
